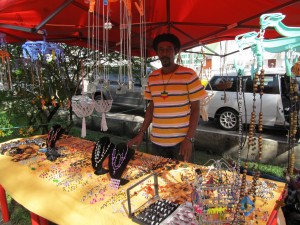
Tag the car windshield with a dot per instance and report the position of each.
(229, 83)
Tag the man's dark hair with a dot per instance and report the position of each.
(166, 37)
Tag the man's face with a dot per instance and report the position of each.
(166, 53)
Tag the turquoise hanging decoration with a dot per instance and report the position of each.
(253, 40)
(258, 46)
(289, 43)
(274, 20)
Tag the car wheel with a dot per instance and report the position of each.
(228, 119)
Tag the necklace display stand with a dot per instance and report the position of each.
(53, 135)
(118, 160)
(101, 150)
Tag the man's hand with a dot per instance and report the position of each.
(137, 140)
(186, 149)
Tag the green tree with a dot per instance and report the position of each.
(44, 88)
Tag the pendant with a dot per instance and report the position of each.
(164, 94)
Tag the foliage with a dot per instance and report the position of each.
(5, 125)
(272, 170)
(44, 87)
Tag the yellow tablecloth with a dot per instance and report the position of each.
(60, 191)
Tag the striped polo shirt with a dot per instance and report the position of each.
(171, 95)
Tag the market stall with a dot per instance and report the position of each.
(70, 190)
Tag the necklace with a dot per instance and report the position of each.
(118, 159)
(98, 157)
(164, 93)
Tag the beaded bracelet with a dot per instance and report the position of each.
(141, 132)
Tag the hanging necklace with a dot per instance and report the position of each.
(98, 157)
(164, 93)
(118, 159)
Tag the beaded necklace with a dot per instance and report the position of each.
(98, 157)
(118, 159)
(164, 93)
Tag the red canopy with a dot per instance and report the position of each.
(193, 21)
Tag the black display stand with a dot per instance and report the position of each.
(53, 135)
(118, 160)
(101, 150)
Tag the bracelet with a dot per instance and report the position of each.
(141, 132)
(192, 140)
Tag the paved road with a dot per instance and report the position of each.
(277, 134)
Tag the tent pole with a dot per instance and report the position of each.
(58, 10)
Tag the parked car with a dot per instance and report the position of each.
(223, 104)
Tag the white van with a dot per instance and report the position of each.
(223, 105)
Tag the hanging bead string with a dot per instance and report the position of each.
(252, 126)
(118, 158)
(106, 27)
(260, 120)
(125, 43)
(256, 172)
(100, 153)
(293, 123)
(251, 144)
(141, 8)
(239, 184)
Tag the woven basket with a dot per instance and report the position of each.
(226, 84)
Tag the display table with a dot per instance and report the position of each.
(67, 191)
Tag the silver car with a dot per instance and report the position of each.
(274, 103)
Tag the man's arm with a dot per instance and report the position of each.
(148, 117)
(137, 140)
(194, 118)
(186, 147)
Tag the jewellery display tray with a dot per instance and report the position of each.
(154, 211)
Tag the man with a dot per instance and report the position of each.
(174, 93)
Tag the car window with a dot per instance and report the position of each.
(227, 83)
(220, 83)
(271, 85)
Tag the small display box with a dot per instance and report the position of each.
(151, 211)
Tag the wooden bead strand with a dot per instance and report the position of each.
(262, 82)
(293, 123)
(291, 163)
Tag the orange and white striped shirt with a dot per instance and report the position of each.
(171, 95)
